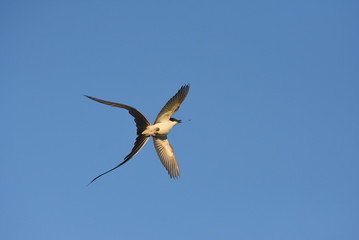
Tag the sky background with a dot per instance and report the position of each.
(268, 147)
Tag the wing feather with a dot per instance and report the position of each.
(166, 154)
(172, 105)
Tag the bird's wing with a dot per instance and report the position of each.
(172, 105)
(140, 142)
(140, 119)
(167, 156)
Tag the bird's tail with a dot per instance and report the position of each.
(141, 124)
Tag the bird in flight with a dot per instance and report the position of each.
(159, 130)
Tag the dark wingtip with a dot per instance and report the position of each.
(175, 176)
(186, 86)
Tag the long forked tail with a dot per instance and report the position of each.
(140, 142)
(141, 124)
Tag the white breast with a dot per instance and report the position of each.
(159, 129)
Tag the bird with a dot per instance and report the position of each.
(159, 130)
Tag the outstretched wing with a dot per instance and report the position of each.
(167, 156)
(172, 105)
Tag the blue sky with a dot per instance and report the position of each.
(268, 147)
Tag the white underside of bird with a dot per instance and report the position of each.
(159, 131)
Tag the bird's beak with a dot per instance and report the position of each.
(179, 121)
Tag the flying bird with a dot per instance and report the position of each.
(159, 131)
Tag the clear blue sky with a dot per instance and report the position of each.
(268, 147)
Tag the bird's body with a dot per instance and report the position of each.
(159, 131)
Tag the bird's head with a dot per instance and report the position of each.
(175, 120)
